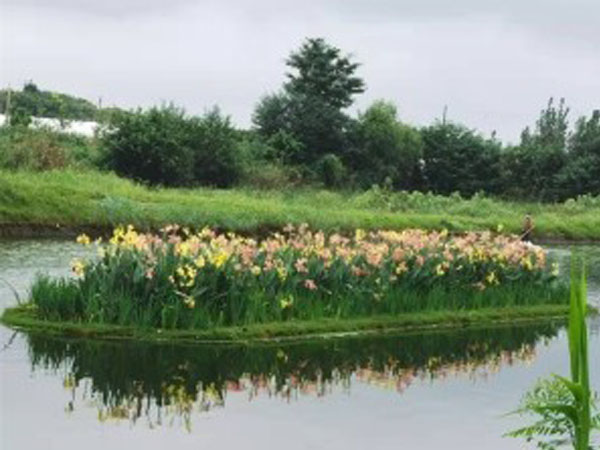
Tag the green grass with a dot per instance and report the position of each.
(81, 200)
(25, 317)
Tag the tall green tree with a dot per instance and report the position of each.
(531, 168)
(581, 173)
(320, 71)
(321, 82)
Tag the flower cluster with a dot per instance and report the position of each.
(299, 269)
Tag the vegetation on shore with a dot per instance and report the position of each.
(303, 135)
(82, 200)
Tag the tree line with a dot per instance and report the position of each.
(303, 134)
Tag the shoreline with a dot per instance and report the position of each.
(23, 231)
(22, 318)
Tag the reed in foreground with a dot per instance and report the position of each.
(181, 279)
(566, 408)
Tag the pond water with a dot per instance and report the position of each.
(419, 391)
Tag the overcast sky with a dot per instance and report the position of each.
(494, 63)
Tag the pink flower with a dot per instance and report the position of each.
(310, 284)
(300, 265)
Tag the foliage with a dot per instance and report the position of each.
(580, 174)
(45, 149)
(213, 141)
(31, 101)
(162, 146)
(204, 280)
(530, 169)
(458, 160)
(152, 146)
(384, 149)
(565, 405)
(320, 70)
(320, 85)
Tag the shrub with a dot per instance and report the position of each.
(151, 146)
(458, 160)
(213, 142)
(44, 149)
(383, 148)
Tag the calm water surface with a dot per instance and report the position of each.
(423, 391)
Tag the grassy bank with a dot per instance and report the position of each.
(34, 202)
(25, 317)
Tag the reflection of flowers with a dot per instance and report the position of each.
(178, 398)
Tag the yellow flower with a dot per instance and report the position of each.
(189, 301)
(439, 270)
(182, 248)
(255, 270)
(491, 278)
(78, 267)
(555, 269)
(287, 302)
(282, 273)
(83, 239)
(200, 262)
(401, 268)
(219, 259)
(359, 235)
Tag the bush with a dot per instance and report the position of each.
(216, 160)
(44, 149)
(162, 146)
(458, 160)
(150, 146)
(384, 149)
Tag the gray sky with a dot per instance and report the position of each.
(494, 63)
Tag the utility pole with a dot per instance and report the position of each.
(444, 114)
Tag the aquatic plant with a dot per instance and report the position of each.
(181, 279)
(565, 406)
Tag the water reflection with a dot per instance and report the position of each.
(164, 383)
